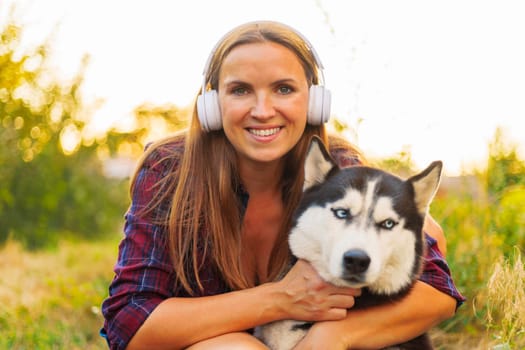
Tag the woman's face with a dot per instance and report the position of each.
(263, 96)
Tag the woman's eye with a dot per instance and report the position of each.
(285, 90)
(341, 213)
(239, 91)
(387, 224)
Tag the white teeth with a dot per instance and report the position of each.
(264, 132)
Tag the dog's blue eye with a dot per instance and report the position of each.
(341, 213)
(387, 224)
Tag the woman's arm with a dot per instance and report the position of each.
(433, 229)
(179, 322)
(383, 325)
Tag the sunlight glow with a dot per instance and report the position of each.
(436, 77)
(70, 139)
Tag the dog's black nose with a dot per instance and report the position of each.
(356, 261)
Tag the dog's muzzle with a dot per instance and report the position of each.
(355, 265)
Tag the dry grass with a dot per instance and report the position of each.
(51, 299)
(502, 302)
(505, 301)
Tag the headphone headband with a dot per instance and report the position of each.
(308, 44)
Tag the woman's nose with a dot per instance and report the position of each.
(263, 107)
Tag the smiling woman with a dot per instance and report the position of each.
(206, 235)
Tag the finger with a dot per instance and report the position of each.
(355, 292)
(333, 314)
(342, 301)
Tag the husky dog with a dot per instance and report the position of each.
(359, 227)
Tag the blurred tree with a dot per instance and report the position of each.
(400, 163)
(504, 168)
(44, 191)
(150, 122)
(52, 180)
(505, 183)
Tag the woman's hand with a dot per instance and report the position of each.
(324, 335)
(306, 296)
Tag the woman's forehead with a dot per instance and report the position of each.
(267, 56)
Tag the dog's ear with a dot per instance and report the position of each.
(318, 163)
(426, 184)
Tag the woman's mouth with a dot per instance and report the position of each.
(264, 132)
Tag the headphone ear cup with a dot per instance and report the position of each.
(319, 103)
(208, 111)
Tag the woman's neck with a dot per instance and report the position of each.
(261, 178)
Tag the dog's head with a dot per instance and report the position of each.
(361, 226)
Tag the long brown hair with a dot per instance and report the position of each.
(205, 215)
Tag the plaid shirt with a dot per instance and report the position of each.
(144, 274)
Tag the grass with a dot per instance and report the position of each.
(51, 299)
(486, 240)
(505, 301)
(501, 304)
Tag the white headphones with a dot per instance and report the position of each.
(319, 100)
